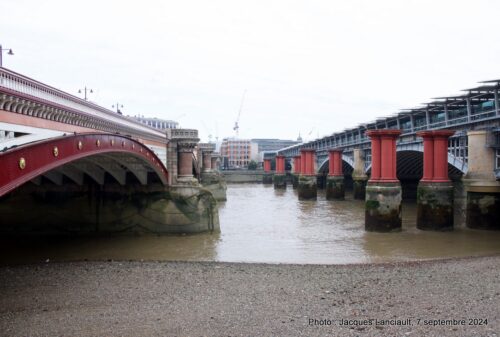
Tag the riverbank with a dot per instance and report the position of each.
(235, 299)
(242, 176)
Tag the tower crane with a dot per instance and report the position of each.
(236, 127)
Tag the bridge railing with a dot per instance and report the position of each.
(30, 87)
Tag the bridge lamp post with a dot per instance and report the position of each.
(9, 52)
(118, 106)
(85, 92)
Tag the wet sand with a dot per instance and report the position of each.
(235, 299)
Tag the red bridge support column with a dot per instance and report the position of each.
(279, 178)
(383, 191)
(435, 190)
(335, 180)
(296, 171)
(267, 178)
(307, 187)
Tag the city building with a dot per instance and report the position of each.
(236, 153)
(157, 123)
(271, 145)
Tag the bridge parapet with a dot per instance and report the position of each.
(23, 95)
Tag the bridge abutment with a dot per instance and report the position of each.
(481, 186)
(383, 191)
(279, 178)
(359, 177)
(335, 188)
(307, 186)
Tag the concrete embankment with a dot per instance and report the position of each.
(438, 298)
(242, 176)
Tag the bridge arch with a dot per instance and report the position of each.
(347, 165)
(78, 154)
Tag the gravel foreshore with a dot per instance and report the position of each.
(237, 299)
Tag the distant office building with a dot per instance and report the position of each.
(271, 144)
(237, 153)
(157, 123)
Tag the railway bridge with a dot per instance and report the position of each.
(445, 153)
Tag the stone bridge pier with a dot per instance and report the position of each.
(435, 190)
(210, 178)
(307, 188)
(267, 178)
(279, 178)
(480, 184)
(383, 191)
(359, 177)
(335, 180)
(202, 215)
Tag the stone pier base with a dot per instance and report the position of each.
(483, 210)
(215, 183)
(93, 209)
(335, 187)
(359, 188)
(295, 180)
(307, 188)
(267, 178)
(279, 181)
(435, 206)
(383, 207)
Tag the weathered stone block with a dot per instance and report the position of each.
(267, 178)
(215, 183)
(435, 206)
(483, 210)
(307, 188)
(279, 181)
(335, 188)
(359, 189)
(383, 207)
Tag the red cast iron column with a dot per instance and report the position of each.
(296, 164)
(375, 138)
(441, 155)
(428, 155)
(280, 164)
(267, 165)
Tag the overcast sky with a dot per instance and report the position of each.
(313, 67)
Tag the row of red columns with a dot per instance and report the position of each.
(383, 147)
(307, 162)
(384, 155)
(335, 163)
(435, 155)
(280, 164)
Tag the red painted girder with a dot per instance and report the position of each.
(41, 157)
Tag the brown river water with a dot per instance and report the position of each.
(260, 224)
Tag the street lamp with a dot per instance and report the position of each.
(85, 92)
(10, 52)
(118, 106)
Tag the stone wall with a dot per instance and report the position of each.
(242, 176)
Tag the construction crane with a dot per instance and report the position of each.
(236, 127)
